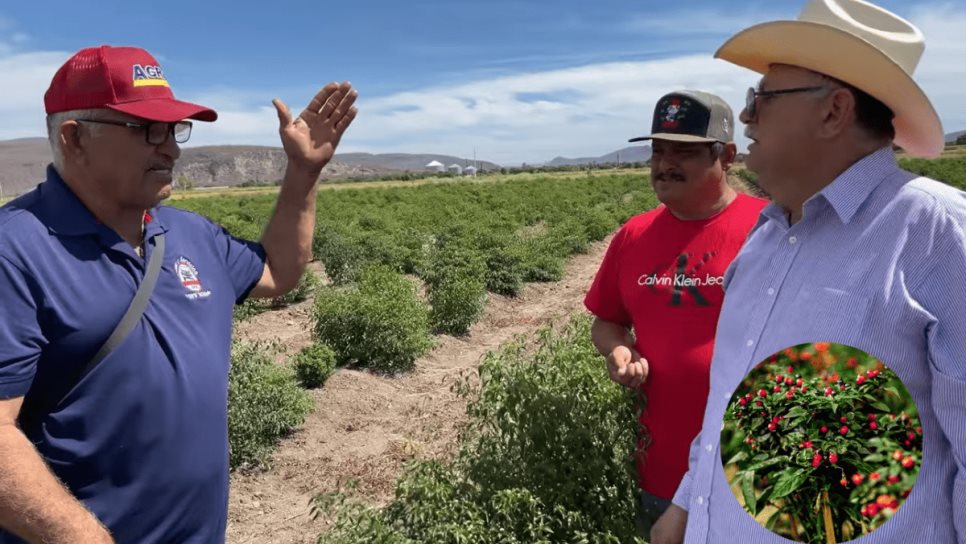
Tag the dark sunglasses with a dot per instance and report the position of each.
(751, 99)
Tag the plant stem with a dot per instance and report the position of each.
(827, 514)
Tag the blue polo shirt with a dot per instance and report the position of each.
(143, 439)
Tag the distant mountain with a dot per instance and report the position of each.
(953, 136)
(22, 164)
(628, 154)
(229, 165)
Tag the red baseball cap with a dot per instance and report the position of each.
(124, 79)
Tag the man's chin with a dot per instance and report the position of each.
(667, 194)
(162, 182)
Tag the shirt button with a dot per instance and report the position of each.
(771, 292)
(793, 240)
(700, 500)
(750, 343)
(709, 447)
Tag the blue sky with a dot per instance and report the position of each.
(519, 81)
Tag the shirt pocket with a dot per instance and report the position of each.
(831, 314)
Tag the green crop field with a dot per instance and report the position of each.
(460, 239)
(405, 263)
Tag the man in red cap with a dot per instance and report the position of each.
(116, 321)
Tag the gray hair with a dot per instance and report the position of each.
(55, 120)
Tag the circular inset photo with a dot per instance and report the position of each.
(821, 443)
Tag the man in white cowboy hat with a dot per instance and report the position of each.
(853, 250)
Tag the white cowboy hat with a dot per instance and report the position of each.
(858, 43)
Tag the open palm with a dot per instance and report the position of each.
(310, 140)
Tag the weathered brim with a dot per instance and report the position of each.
(849, 58)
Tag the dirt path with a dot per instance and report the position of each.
(366, 427)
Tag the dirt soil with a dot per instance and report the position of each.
(365, 427)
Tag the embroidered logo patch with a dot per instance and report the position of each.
(188, 275)
(673, 112)
(148, 76)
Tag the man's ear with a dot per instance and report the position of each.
(838, 113)
(729, 155)
(71, 143)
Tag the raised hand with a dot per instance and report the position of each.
(310, 140)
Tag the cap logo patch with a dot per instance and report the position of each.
(149, 76)
(674, 112)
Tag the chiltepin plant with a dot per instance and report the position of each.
(826, 437)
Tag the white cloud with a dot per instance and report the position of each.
(582, 111)
(598, 108)
(607, 102)
(27, 76)
(689, 23)
(942, 73)
(602, 106)
(238, 127)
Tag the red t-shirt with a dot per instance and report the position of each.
(663, 277)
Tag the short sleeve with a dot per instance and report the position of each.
(604, 298)
(21, 337)
(244, 262)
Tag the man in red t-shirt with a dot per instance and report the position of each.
(662, 278)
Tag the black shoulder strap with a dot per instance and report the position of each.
(33, 414)
(134, 311)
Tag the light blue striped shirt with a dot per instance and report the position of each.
(877, 262)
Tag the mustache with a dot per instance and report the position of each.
(750, 134)
(162, 166)
(670, 176)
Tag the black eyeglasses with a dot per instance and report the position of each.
(154, 133)
(751, 99)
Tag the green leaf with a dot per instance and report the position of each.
(767, 463)
(875, 458)
(795, 422)
(797, 411)
(789, 481)
(738, 457)
(881, 406)
(748, 491)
